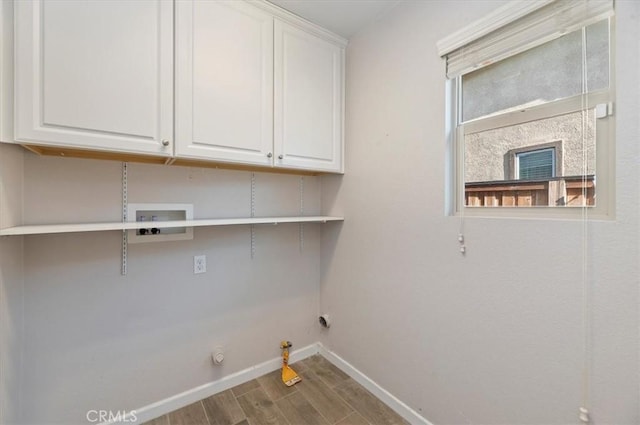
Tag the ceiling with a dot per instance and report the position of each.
(343, 17)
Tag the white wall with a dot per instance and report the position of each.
(11, 249)
(94, 339)
(496, 336)
(11, 284)
(11, 328)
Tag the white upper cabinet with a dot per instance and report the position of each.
(224, 82)
(95, 74)
(254, 85)
(308, 100)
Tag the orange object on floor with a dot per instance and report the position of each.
(289, 376)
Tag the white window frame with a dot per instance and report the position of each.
(605, 149)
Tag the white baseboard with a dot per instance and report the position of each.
(185, 398)
(385, 396)
(193, 395)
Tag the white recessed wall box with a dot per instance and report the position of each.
(153, 213)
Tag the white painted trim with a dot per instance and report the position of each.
(296, 20)
(385, 396)
(162, 407)
(500, 17)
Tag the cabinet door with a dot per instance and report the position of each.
(95, 74)
(308, 100)
(224, 85)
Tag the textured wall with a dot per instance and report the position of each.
(545, 73)
(484, 157)
(94, 339)
(496, 336)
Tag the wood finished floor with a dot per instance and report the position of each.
(326, 396)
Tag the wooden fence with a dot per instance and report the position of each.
(573, 191)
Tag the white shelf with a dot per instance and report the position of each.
(101, 227)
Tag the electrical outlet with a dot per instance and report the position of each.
(199, 264)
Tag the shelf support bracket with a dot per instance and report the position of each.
(253, 214)
(301, 225)
(125, 241)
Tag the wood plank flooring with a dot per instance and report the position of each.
(326, 396)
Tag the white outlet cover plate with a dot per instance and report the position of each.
(199, 264)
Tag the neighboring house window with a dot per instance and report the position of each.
(546, 75)
(536, 164)
(536, 161)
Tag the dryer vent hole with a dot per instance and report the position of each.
(324, 321)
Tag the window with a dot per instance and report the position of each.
(536, 164)
(530, 107)
(546, 156)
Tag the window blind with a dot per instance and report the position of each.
(533, 29)
(536, 165)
